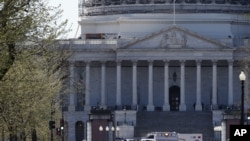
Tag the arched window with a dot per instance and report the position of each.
(79, 131)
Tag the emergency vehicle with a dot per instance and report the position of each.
(172, 136)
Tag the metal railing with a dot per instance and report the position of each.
(116, 43)
(161, 8)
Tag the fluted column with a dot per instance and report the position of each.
(230, 82)
(182, 104)
(103, 88)
(150, 106)
(134, 83)
(214, 84)
(166, 106)
(198, 106)
(71, 87)
(118, 83)
(87, 86)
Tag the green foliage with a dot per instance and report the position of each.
(27, 91)
(30, 66)
(26, 95)
(26, 21)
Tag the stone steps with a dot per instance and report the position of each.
(181, 122)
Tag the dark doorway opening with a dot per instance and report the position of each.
(174, 98)
(79, 131)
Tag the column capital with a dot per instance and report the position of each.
(166, 61)
(198, 61)
(118, 61)
(87, 61)
(214, 61)
(103, 61)
(134, 61)
(230, 61)
(182, 61)
(150, 62)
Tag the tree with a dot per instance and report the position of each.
(25, 21)
(31, 66)
(27, 92)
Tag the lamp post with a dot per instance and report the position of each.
(113, 133)
(125, 116)
(117, 130)
(111, 129)
(107, 129)
(100, 129)
(242, 77)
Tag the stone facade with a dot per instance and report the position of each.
(145, 62)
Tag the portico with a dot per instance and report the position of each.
(139, 75)
(153, 87)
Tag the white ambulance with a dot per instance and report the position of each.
(189, 137)
(172, 136)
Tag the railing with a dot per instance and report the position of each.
(119, 123)
(92, 3)
(164, 7)
(113, 44)
(89, 43)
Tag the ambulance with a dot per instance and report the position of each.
(172, 136)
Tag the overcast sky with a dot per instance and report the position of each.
(70, 12)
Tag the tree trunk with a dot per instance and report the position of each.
(34, 137)
(10, 61)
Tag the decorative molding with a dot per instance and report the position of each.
(173, 39)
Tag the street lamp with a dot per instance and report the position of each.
(100, 129)
(111, 129)
(242, 77)
(117, 130)
(107, 129)
(125, 116)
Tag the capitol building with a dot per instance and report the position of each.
(141, 66)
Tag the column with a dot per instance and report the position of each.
(71, 129)
(89, 131)
(118, 83)
(230, 82)
(166, 106)
(87, 86)
(214, 84)
(134, 83)
(150, 106)
(71, 87)
(198, 106)
(182, 104)
(103, 89)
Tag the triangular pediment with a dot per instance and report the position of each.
(174, 37)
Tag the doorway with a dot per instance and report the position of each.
(174, 98)
(79, 129)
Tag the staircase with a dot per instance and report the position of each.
(181, 122)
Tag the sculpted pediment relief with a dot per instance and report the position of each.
(174, 37)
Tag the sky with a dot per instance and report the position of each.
(70, 12)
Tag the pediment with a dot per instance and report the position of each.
(174, 37)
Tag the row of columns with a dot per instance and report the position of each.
(150, 106)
